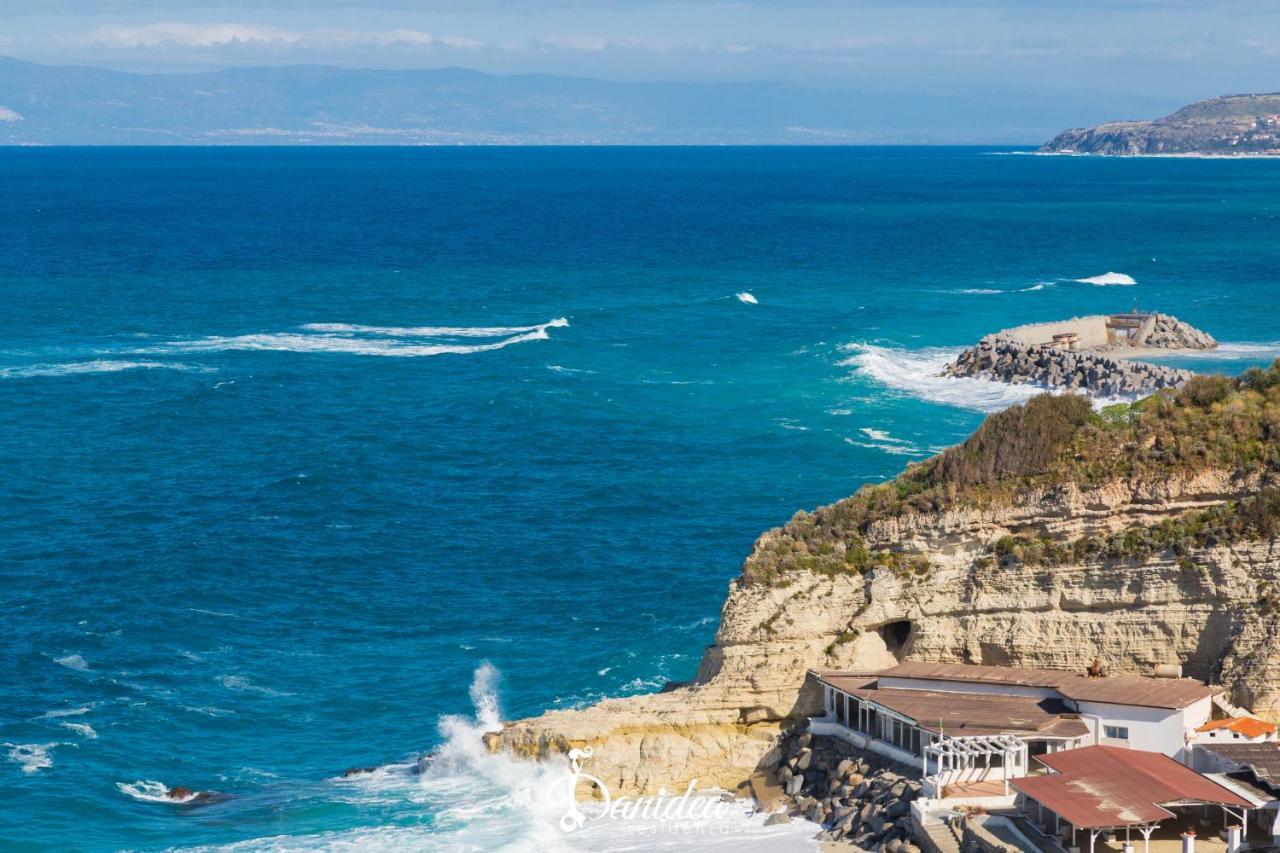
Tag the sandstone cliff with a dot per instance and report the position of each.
(1151, 540)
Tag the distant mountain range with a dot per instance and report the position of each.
(1232, 124)
(77, 105)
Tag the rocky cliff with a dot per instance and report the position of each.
(1051, 537)
(1233, 124)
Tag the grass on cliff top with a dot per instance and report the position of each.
(1213, 422)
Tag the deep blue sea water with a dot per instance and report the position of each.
(292, 442)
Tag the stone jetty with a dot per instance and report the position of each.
(1089, 355)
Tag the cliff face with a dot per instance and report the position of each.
(1132, 592)
(1234, 124)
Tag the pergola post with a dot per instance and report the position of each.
(1146, 836)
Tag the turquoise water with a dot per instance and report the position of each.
(294, 441)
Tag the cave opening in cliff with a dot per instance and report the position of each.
(897, 637)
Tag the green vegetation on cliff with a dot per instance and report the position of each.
(1213, 422)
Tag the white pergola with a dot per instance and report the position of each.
(952, 756)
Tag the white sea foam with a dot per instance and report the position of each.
(75, 662)
(82, 729)
(436, 331)
(397, 342)
(481, 801)
(243, 685)
(979, 291)
(75, 368)
(915, 373)
(1238, 351)
(63, 712)
(1109, 279)
(148, 791)
(747, 298)
(1040, 285)
(32, 757)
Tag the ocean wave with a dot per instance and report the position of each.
(915, 373)
(148, 791)
(747, 298)
(435, 331)
(243, 685)
(75, 662)
(1109, 279)
(1237, 351)
(83, 729)
(1039, 285)
(31, 757)
(64, 712)
(76, 368)
(479, 800)
(388, 341)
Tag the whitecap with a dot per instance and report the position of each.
(436, 331)
(32, 757)
(75, 662)
(976, 291)
(603, 672)
(74, 368)
(368, 340)
(244, 685)
(1238, 351)
(880, 435)
(82, 729)
(915, 373)
(63, 712)
(747, 298)
(1109, 279)
(148, 791)
(1040, 285)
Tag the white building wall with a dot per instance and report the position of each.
(1153, 729)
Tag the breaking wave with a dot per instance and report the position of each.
(148, 791)
(483, 801)
(392, 341)
(915, 373)
(31, 757)
(75, 368)
(746, 297)
(1109, 279)
(1239, 351)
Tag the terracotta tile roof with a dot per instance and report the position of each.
(968, 714)
(1248, 726)
(1096, 787)
(1172, 693)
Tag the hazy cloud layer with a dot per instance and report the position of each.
(1162, 48)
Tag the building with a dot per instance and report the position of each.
(1250, 770)
(1106, 790)
(1235, 730)
(965, 725)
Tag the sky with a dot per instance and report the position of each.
(1171, 49)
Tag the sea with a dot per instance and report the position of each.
(332, 458)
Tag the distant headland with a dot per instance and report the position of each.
(1232, 125)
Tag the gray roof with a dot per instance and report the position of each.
(1137, 690)
(1262, 758)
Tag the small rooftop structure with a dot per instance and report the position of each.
(1138, 690)
(1250, 728)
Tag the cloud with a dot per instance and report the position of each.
(171, 34)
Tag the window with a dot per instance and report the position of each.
(1116, 732)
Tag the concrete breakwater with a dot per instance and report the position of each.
(1091, 355)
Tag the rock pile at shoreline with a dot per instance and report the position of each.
(1168, 332)
(856, 796)
(1006, 360)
